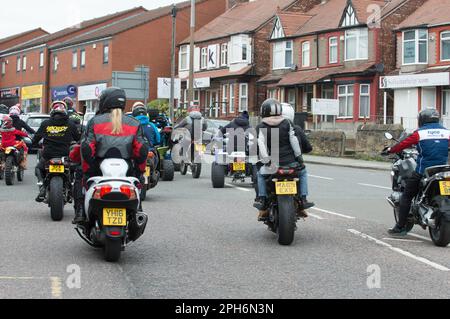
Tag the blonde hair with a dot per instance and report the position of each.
(116, 121)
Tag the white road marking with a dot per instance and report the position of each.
(321, 177)
(404, 240)
(238, 188)
(315, 216)
(419, 236)
(400, 251)
(56, 287)
(375, 186)
(333, 213)
(19, 278)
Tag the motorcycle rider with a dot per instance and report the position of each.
(289, 114)
(14, 114)
(238, 126)
(58, 132)
(432, 140)
(9, 135)
(112, 134)
(288, 152)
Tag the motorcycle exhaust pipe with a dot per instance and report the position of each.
(390, 202)
(141, 219)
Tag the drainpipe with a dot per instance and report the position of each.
(47, 83)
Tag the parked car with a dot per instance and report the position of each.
(34, 120)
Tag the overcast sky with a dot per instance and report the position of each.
(17, 16)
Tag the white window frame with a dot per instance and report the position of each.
(416, 41)
(106, 54)
(41, 59)
(347, 95)
(232, 109)
(224, 98)
(281, 47)
(447, 39)
(306, 54)
(24, 63)
(292, 98)
(358, 43)
(184, 57)
(445, 104)
(55, 63)
(224, 54)
(82, 58)
(350, 17)
(245, 51)
(331, 47)
(74, 59)
(367, 95)
(19, 64)
(243, 97)
(3, 67)
(277, 32)
(204, 58)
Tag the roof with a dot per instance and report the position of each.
(15, 36)
(242, 18)
(123, 25)
(223, 73)
(292, 21)
(325, 17)
(67, 31)
(424, 71)
(312, 76)
(432, 12)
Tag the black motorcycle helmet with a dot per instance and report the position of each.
(428, 116)
(112, 98)
(139, 110)
(153, 114)
(4, 109)
(271, 107)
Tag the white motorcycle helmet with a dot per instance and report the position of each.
(288, 112)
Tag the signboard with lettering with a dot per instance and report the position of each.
(32, 92)
(201, 83)
(90, 92)
(9, 93)
(325, 107)
(415, 80)
(164, 88)
(59, 93)
(212, 56)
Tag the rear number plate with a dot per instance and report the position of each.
(114, 217)
(445, 188)
(286, 188)
(238, 167)
(147, 171)
(56, 169)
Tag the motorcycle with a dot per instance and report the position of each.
(282, 189)
(58, 185)
(10, 159)
(431, 207)
(112, 202)
(195, 166)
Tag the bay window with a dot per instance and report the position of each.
(184, 55)
(232, 99)
(306, 57)
(445, 46)
(415, 46)
(282, 55)
(333, 50)
(243, 97)
(356, 44)
(224, 98)
(364, 101)
(345, 96)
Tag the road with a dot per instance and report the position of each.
(206, 243)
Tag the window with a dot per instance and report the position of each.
(239, 49)
(292, 98)
(105, 54)
(308, 94)
(428, 98)
(224, 54)
(333, 50)
(345, 96)
(446, 102)
(272, 94)
(196, 98)
(184, 63)
(350, 17)
(83, 58)
(224, 98)
(356, 44)
(305, 54)
(3, 67)
(282, 55)
(243, 97)
(244, 52)
(74, 59)
(415, 47)
(55, 63)
(204, 58)
(277, 32)
(24, 63)
(364, 101)
(19, 64)
(41, 59)
(232, 99)
(445, 46)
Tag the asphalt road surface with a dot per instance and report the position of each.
(206, 243)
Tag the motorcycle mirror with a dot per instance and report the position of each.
(388, 136)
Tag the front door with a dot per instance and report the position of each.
(213, 104)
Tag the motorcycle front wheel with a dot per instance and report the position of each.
(196, 170)
(440, 235)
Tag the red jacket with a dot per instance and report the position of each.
(9, 137)
(75, 154)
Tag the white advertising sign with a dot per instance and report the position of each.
(414, 80)
(90, 92)
(325, 107)
(212, 56)
(164, 88)
(201, 83)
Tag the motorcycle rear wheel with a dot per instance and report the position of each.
(217, 175)
(286, 220)
(56, 198)
(183, 168)
(10, 175)
(112, 249)
(196, 170)
(168, 171)
(440, 235)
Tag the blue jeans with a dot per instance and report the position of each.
(262, 187)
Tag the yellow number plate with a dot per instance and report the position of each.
(147, 172)
(200, 148)
(237, 167)
(114, 217)
(445, 188)
(56, 169)
(286, 188)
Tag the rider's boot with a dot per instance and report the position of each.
(80, 217)
(23, 164)
(306, 204)
(41, 196)
(261, 203)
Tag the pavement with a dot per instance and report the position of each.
(204, 243)
(347, 162)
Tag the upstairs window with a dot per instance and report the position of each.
(445, 46)
(106, 54)
(24, 63)
(83, 58)
(19, 64)
(415, 46)
(278, 31)
(333, 50)
(184, 58)
(204, 58)
(306, 54)
(3, 67)
(244, 52)
(357, 44)
(349, 18)
(282, 55)
(74, 59)
(224, 54)
(41, 59)
(55, 63)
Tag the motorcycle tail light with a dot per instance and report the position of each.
(129, 191)
(102, 191)
(286, 172)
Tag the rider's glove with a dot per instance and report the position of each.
(300, 160)
(386, 151)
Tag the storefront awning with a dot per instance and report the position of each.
(223, 73)
(429, 77)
